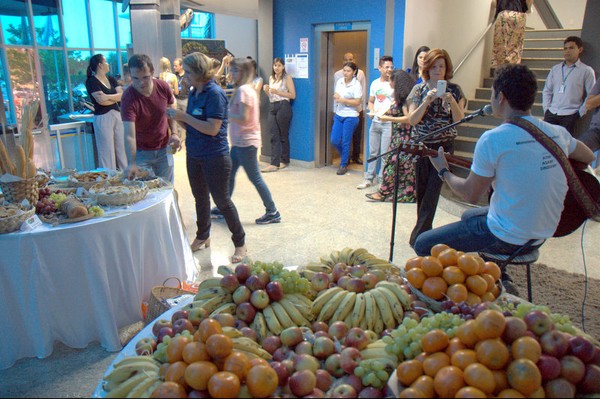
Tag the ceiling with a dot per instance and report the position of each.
(239, 8)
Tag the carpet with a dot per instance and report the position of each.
(563, 293)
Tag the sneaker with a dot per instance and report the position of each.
(366, 183)
(270, 168)
(215, 213)
(342, 170)
(284, 165)
(268, 218)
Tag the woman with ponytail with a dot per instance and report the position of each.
(105, 93)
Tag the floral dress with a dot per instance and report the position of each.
(406, 173)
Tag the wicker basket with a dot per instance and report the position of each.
(13, 223)
(17, 191)
(136, 191)
(87, 179)
(157, 304)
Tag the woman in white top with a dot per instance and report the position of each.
(347, 96)
(280, 91)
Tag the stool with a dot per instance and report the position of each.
(503, 260)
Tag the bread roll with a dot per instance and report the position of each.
(73, 208)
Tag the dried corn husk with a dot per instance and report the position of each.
(6, 164)
(29, 111)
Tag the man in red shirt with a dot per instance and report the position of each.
(148, 131)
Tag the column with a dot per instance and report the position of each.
(146, 29)
(170, 29)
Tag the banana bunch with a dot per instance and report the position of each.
(350, 257)
(213, 299)
(132, 377)
(250, 348)
(376, 350)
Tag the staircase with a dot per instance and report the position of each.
(542, 50)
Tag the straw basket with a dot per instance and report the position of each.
(13, 223)
(17, 191)
(157, 304)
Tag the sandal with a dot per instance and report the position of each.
(198, 244)
(239, 254)
(375, 197)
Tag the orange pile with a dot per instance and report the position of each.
(452, 274)
(209, 363)
(476, 363)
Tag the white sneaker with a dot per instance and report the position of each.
(366, 183)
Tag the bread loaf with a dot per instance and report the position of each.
(73, 208)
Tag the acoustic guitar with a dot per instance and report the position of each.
(573, 214)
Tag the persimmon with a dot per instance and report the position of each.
(464, 357)
(448, 381)
(473, 299)
(175, 348)
(526, 347)
(194, 352)
(501, 381)
(477, 284)
(169, 389)
(468, 264)
(466, 333)
(224, 384)
(448, 257)
(489, 279)
(434, 287)
(197, 374)
(424, 384)
(258, 361)
(431, 266)
(413, 262)
(493, 269)
(438, 249)
(524, 376)
(434, 362)
(176, 373)
(408, 371)
(219, 346)
(411, 393)
(262, 381)
(238, 364)
(488, 297)
(457, 293)
(492, 353)
(480, 377)
(510, 393)
(453, 275)
(435, 341)
(470, 392)
(207, 328)
(416, 277)
(489, 324)
(454, 345)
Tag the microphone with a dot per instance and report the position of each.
(484, 111)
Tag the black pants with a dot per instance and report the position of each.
(211, 177)
(358, 136)
(428, 186)
(566, 121)
(280, 117)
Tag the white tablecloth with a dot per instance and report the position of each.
(78, 283)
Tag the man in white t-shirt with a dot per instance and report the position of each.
(358, 132)
(381, 96)
(529, 184)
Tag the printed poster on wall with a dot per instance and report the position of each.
(296, 65)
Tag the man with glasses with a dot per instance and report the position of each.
(149, 134)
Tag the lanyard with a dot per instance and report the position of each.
(562, 70)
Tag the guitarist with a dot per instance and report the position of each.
(529, 184)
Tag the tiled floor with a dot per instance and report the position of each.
(321, 212)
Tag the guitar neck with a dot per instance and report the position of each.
(465, 163)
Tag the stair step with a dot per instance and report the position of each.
(487, 82)
(536, 110)
(541, 52)
(544, 42)
(484, 93)
(551, 33)
(541, 63)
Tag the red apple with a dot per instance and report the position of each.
(316, 393)
(181, 325)
(338, 270)
(163, 332)
(559, 388)
(370, 280)
(271, 343)
(350, 358)
(291, 336)
(242, 272)
(596, 358)
(180, 314)
(333, 364)
(343, 391)
(304, 347)
(572, 369)
(283, 374)
(255, 283)
(282, 353)
(275, 290)
(160, 323)
(321, 334)
(241, 294)
(419, 307)
(306, 362)
(239, 324)
(319, 326)
(324, 379)
(289, 364)
(320, 281)
(264, 277)
(352, 380)
(412, 315)
(259, 299)
(302, 382)
(343, 282)
(537, 321)
(379, 273)
(370, 392)
(145, 346)
(357, 338)
(554, 343)
(323, 347)
(358, 271)
(515, 328)
(582, 348)
(549, 367)
(245, 312)
(338, 330)
(225, 319)
(356, 285)
(249, 333)
(230, 283)
(591, 380)
(196, 315)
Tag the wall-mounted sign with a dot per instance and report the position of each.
(342, 26)
(304, 44)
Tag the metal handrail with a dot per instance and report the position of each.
(473, 47)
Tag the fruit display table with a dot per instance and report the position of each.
(80, 282)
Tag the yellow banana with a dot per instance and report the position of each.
(232, 332)
(209, 293)
(125, 387)
(324, 298)
(272, 321)
(348, 319)
(225, 270)
(294, 313)
(398, 291)
(335, 257)
(355, 254)
(148, 392)
(378, 325)
(302, 304)
(246, 344)
(308, 274)
(385, 309)
(210, 282)
(282, 315)
(359, 310)
(373, 353)
(370, 309)
(249, 355)
(318, 267)
(330, 308)
(326, 260)
(302, 299)
(228, 307)
(213, 303)
(395, 304)
(136, 359)
(259, 325)
(345, 308)
(345, 255)
(143, 386)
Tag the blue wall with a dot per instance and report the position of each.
(293, 20)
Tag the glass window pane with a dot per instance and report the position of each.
(76, 26)
(47, 26)
(201, 26)
(78, 63)
(54, 79)
(103, 24)
(21, 67)
(15, 24)
(7, 100)
(124, 28)
(113, 62)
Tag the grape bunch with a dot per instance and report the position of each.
(45, 205)
(290, 280)
(405, 340)
(373, 373)
(160, 354)
(562, 322)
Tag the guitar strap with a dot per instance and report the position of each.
(584, 199)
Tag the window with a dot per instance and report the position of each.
(76, 24)
(21, 70)
(15, 23)
(103, 23)
(202, 27)
(55, 84)
(47, 25)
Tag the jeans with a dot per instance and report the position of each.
(159, 161)
(566, 121)
(209, 177)
(470, 234)
(247, 158)
(341, 135)
(380, 136)
(280, 117)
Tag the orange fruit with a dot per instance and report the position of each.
(416, 277)
(457, 293)
(492, 353)
(466, 333)
(526, 348)
(448, 257)
(538, 393)
(411, 393)
(501, 381)
(492, 269)
(219, 346)
(434, 362)
(238, 364)
(431, 266)
(480, 261)
(448, 381)
(413, 262)
(489, 324)
(175, 348)
(477, 284)
(224, 385)
(197, 374)
(488, 297)
(524, 376)
(454, 345)
(435, 341)
(424, 384)
(480, 377)
(408, 371)
(434, 287)
(169, 389)
(470, 392)
(207, 328)
(438, 249)
(464, 357)
(194, 352)
(510, 393)
(473, 299)
(453, 275)
(495, 291)
(262, 381)
(468, 264)
(176, 373)
(489, 279)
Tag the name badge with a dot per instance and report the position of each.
(561, 89)
(198, 112)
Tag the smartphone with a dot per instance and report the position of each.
(441, 87)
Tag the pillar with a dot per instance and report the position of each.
(146, 29)
(170, 29)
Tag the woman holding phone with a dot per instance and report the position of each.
(432, 105)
